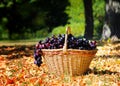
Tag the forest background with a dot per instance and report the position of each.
(34, 19)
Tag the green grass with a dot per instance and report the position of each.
(20, 42)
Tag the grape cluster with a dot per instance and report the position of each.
(57, 42)
(38, 57)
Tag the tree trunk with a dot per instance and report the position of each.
(112, 19)
(88, 19)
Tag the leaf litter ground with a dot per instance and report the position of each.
(17, 69)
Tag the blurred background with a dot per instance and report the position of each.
(34, 19)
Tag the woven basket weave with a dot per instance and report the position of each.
(68, 61)
(74, 62)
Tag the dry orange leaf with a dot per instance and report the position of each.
(10, 81)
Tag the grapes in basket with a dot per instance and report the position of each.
(57, 42)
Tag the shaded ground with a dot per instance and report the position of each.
(17, 68)
(16, 51)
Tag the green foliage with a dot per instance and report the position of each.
(76, 29)
(75, 11)
(24, 15)
(1, 29)
(76, 19)
(1, 5)
(53, 14)
(98, 13)
(3, 32)
(58, 30)
(98, 8)
(96, 25)
(41, 33)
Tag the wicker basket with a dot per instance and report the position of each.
(68, 61)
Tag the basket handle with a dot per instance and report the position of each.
(68, 31)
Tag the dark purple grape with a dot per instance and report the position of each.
(47, 45)
(36, 57)
(92, 45)
(59, 36)
(35, 62)
(60, 46)
(40, 42)
(56, 42)
(46, 40)
(81, 48)
(37, 46)
(70, 36)
(38, 61)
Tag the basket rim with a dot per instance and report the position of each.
(69, 50)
